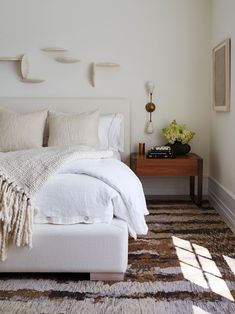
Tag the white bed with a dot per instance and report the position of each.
(100, 249)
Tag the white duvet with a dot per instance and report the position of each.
(93, 191)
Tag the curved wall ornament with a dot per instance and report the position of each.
(32, 80)
(24, 68)
(93, 74)
(61, 59)
(94, 65)
(25, 64)
(107, 64)
(67, 60)
(54, 49)
(10, 58)
(25, 71)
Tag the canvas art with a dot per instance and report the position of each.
(221, 76)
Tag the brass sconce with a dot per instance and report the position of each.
(150, 107)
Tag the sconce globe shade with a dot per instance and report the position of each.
(150, 86)
(150, 128)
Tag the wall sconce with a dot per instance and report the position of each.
(150, 107)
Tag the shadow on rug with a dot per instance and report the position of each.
(185, 264)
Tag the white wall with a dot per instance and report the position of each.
(167, 41)
(221, 185)
(222, 153)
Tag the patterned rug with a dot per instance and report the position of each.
(186, 264)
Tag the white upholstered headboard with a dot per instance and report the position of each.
(76, 105)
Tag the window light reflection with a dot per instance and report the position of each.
(219, 286)
(184, 244)
(194, 275)
(209, 266)
(198, 267)
(187, 257)
(198, 310)
(200, 250)
(231, 262)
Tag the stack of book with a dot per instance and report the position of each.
(160, 152)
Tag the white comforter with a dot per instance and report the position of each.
(93, 191)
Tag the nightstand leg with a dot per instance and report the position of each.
(200, 179)
(191, 185)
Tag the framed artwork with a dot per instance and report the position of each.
(221, 76)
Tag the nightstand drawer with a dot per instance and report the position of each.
(166, 167)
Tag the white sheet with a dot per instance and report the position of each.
(92, 191)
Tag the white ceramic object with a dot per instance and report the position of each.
(150, 128)
(67, 60)
(51, 49)
(32, 80)
(25, 67)
(150, 86)
(10, 58)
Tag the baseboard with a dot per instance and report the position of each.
(172, 198)
(170, 185)
(223, 201)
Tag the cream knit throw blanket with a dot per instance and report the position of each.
(22, 175)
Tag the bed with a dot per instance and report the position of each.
(99, 249)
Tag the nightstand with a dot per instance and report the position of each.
(190, 165)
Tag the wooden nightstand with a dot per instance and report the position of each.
(187, 165)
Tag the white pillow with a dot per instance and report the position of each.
(21, 130)
(111, 132)
(73, 129)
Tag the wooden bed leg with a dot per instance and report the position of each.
(107, 276)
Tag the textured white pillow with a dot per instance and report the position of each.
(111, 131)
(73, 129)
(21, 130)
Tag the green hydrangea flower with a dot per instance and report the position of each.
(177, 133)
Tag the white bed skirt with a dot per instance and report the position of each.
(93, 248)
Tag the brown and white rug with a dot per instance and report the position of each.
(194, 273)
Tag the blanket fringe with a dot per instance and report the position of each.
(16, 217)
